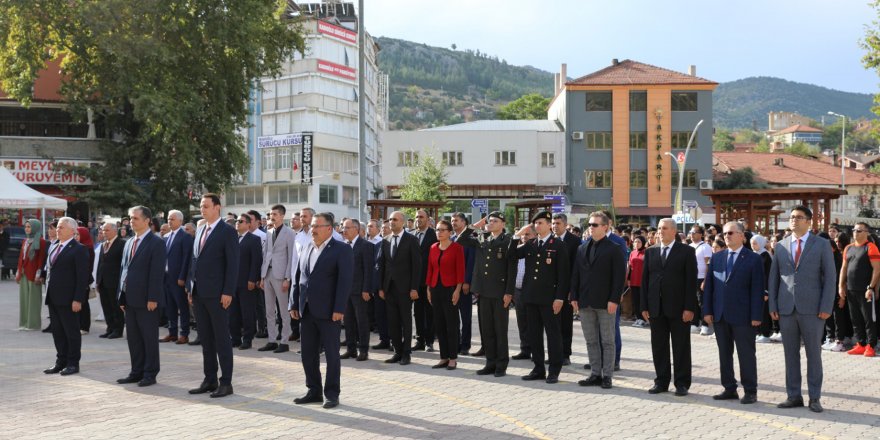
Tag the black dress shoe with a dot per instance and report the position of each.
(429, 348)
(815, 406)
(606, 383)
(104, 335)
(790, 402)
(270, 346)
(591, 381)
(749, 398)
(67, 371)
(553, 378)
(393, 359)
(308, 398)
(479, 352)
(381, 345)
(348, 354)
(245, 345)
(534, 375)
(616, 367)
(48, 329)
(726, 395)
(419, 346)
(195, 341)
(681, 391)
(485, 371)
(129, 379)
(145, 382)
(222, 391)
(262, 334)
(281, 348)
(500, 373)
(405, 359)
(442, 364)
(452, 367)
(522, 356)
(463, 352)
(362, 356)
(566, 361)
(115, 335)
(587, 367)
(204, 388)
(236, 344)
(331, 404)
(54, 370)
(657, 389)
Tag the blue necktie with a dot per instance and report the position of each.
(730, 259)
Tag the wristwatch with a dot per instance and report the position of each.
(870, 288)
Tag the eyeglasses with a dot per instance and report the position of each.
(594, 225)
(856, 231)
(239, 221)
(729, 233)
(798, 217)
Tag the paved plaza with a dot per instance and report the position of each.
(414, 401)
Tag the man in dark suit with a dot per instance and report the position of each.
(462, 232)
(669, 298)
(141, 295)
(178, 254)
(401, 273)
(380, 309)
(107, 280)
(596, 284)
(424, 313)
(242, 321)
(67, 287)
(733, 299)
(212, 281)
(545, 288)
(322, 287)
(566, 316)
(357, 321)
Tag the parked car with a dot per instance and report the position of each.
(10, 257)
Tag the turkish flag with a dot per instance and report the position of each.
(295, 166)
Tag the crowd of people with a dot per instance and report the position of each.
(306, 278)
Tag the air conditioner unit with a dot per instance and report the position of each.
(577, 135)
(705, 183)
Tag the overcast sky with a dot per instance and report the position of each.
(810, 41)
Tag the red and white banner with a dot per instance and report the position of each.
(42, 171)
(339, 33)
(337, 70)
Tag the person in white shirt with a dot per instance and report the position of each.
(703, 253)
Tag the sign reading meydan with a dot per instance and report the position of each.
(42, 171)
(279, 140)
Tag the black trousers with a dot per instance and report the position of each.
(242, 315)
(839, 326)
(664, 329)
(424, 316)
(400, 309)
(445, 320)
(85, 315)
(357, 324)
(860, 310)
(381, 311)
(540, 320)
(465, 312)
(113, 315)
(213, 322)
(698, 314)
(495, 318)
(176, 308)
(142, 326)
(566, 323)
(521, 322)
(260, 312)
(316, 333)
(635, 293)
(768, 325)
(742, 337)
(65, 334)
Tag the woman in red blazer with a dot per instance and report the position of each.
(444, 279)
(30, 263)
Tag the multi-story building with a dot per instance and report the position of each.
(796, 133)
(303, 143)
(624, 124)
(780, 120)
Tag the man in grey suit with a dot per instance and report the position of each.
(801, 294)
(276, 273)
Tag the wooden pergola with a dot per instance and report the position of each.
(525, 210)
(755, 206)
(380, 208)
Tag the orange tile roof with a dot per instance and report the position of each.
(798, 129)
(629, 72)
(795, 170)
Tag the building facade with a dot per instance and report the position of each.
(796, 133)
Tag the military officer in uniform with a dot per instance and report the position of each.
(493, 280)
(545, 288)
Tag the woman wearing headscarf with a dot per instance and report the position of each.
(85, 316)
(30, 264)
(768, 326)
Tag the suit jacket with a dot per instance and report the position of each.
(548, 272)
(572, 243)
(326, 287)
(250, 251)
(143, 274)
(494, 263)
(110, 266)
(738, 298)
(376, 279)
(364, 266)
(469, 255)
(404, 268)
(279, 254)
(69, 276)
(430, 237)
(669, 289)
(447, 271)
(214, 271)
(808, 288)
(599, 281)
(29, 267)
(179, 256)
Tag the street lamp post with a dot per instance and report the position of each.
(678, 208)
(842, 148)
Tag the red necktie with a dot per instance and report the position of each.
(204, 238)
(134, 247)
(55, 254)
(797, 253)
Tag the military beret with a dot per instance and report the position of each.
(546, 215)
(498, 215)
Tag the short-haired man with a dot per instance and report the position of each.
(566, 316)
(422, 309)
(276, 276)
(178, 251)
(703, 252)
(357, 320)
(400, 269)
(242, 313)
(859, 277)
(460, 232)
(525, 234)
(107, 280)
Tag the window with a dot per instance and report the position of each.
(548, 160)
(638, 101)
(684, 101)
(407, 158)
(269, 159)
(638, 179)
(245, 196)
(288, 194)
(597, 140)
(598, 179)
(690, 179)
(336, 161)
(350, 196)
(599, 101)
(680, 140)
(328, 194)
(638, 140)
(452, 158)
(505, 158)
(284, 158)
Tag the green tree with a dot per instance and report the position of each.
(746, 136)
(722, 141)
(744, 178)
(426, 180)
(531, 106)
(762, 147)
(802, 149)
(169, 79)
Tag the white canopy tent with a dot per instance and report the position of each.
(17, 195)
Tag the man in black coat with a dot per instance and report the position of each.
(566, 316)
(357, 320)
(400, 269)
(242, 321)
(109, 266)
(424, 313)
(669, 298)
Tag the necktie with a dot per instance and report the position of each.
(730, 259)
(393, 246)
(106, 246)
(204, 238)
(134, 247)
(797, 253)
(420, 237)
(540, 244)
(170, 239)
(55, 254)
(663, 254)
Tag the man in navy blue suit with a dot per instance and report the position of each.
(320, 293)
(357, 320)
(242, 320)
(212, 276)
(67, 287)
(733, 298)
(141, 295)
(178, 254)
